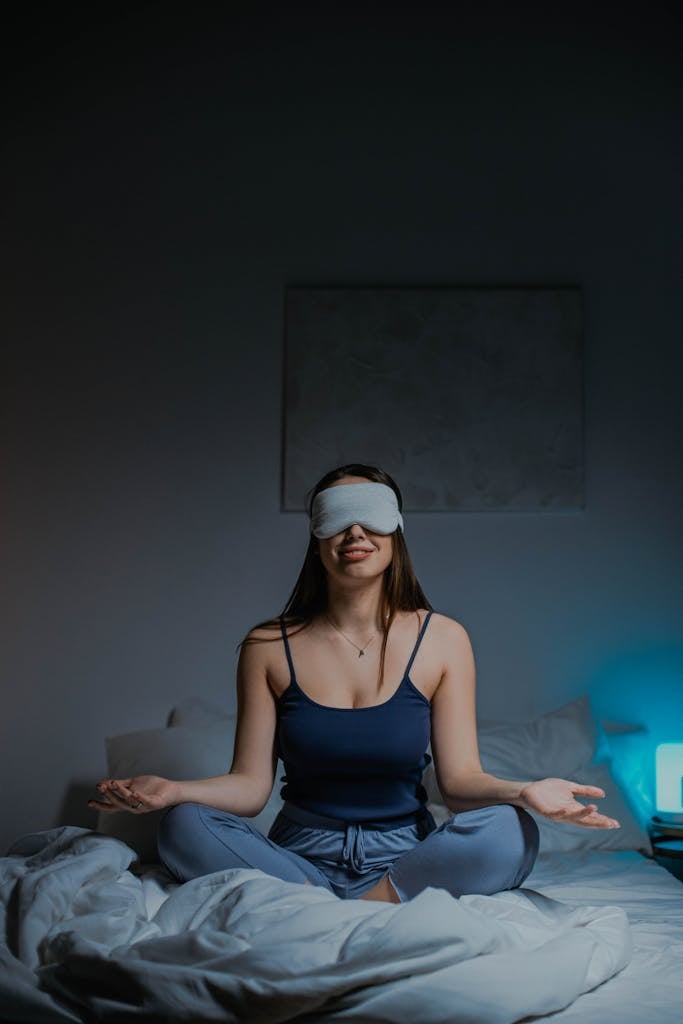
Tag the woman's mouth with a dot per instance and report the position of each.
(355, 554)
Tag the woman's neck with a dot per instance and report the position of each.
(358, 610)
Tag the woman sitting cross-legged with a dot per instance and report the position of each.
(348, 687)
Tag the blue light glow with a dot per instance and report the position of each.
(641, 687)
(669, 769)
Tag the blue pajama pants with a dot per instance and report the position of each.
(481, 851)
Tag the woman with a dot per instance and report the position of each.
(318, 688)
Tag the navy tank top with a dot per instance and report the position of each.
(355, 764)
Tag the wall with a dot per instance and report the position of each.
(169, 176)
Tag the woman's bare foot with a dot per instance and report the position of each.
(384, 891)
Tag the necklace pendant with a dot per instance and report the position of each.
(361, 653)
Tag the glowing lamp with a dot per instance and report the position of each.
(669, 770)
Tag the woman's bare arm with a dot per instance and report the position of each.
(245, 789)
(463, 783)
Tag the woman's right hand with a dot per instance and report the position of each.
(138, 795)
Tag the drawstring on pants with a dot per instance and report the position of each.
(353, 853)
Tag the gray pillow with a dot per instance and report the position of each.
(556, 744)
(179, 752)
(561, 744)
(559, 837)
(182, 752)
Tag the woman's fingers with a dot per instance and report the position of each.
(573, 812)
(581, 810)
(577, 813)
(593, 819)
(139, 802)
(557, 799)
(116, 792)
(587, 790)
(590, 816)
(98, 805)
(600, 821)
(137, 795)
(116, 795)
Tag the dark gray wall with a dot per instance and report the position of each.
(168, 176)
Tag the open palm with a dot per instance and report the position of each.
(137, 795)
(556, 799)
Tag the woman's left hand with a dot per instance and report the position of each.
(556, 799)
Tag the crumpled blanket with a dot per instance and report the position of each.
(86, 939)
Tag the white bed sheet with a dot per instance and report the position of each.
(89, 940)
(650, 989)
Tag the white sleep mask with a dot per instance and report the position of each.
(374, 506)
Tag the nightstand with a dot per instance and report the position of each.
(667, 845)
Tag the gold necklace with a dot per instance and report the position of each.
(361, 650)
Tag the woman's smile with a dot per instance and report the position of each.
(355, 554)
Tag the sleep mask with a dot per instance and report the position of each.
(374, 506)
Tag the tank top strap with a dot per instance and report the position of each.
(287, 650)
(417, 645)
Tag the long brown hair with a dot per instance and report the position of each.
(309, 598)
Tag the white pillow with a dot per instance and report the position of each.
(180, 752)
(560, 744)
(560, 837)
(557, 744)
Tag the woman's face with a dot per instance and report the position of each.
(355, 553)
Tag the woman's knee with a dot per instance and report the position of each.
(517, 840)
(181, 831)
(182, 819)
(177, 822)
(174, 832)
(530, 845)
(498, 819)
(506, 840)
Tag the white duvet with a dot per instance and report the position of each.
(84, 939)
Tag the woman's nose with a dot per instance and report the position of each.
(355, 530)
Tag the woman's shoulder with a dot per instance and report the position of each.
(264, 631)
(272, 629)
(446, 629)
(258, 645)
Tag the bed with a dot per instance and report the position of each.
(95, 930)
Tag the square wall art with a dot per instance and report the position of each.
(471, 397)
